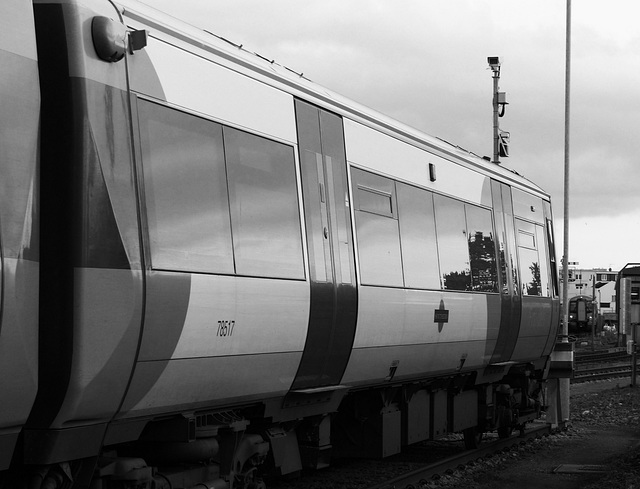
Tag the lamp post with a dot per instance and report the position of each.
(564, 333)
(499, 103)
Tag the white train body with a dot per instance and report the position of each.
(231, 251)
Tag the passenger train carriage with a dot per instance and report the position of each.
(240, 267)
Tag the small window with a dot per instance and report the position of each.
(526, 240)
(374, 193)
(372, 200)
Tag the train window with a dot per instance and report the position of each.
(482, 249)
(185, 190)
(526, 240)
(264, 206)
(531, 272)
(527, 206)
(452, 243)
(545, 283)
(372, 200)
(378, 232)
(418, 237)
(375, 194)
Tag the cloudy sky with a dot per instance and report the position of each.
(424, 62)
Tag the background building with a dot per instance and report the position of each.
(599, 284)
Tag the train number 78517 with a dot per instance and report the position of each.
(225, 328)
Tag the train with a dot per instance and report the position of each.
(581, 318)
(215, 270)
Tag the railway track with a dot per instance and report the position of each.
(601, 373)
(419, 477)
(612, 364)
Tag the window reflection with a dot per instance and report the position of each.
(530, 271)
(528, 247)
(418, 237)
(191, 178)
(264, 206)
(482, 250)
(452, 243)
(186, 191)
(377, 230)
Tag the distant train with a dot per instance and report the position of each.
(214, 269)
(581, 319)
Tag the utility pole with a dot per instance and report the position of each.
(562, 354)
(594, 313)
(564, 383)
(499, 103)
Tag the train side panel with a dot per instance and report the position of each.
(239, 324)
(381, 153)
(398, 332)
(404, 329)
(19, 220)
(225, 347)
(164, 69)
(236, 262)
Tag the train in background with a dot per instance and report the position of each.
(581, 317)
(213, 268)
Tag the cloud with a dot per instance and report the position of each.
(424, 63)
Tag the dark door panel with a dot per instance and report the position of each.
(332, 317)
(510, 298)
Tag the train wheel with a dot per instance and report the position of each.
(472, 438)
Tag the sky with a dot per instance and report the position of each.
(424, 63)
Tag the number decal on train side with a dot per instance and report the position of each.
(225, 328)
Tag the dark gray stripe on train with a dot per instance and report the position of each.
(511, 302)
(56, 270)
(105, 168)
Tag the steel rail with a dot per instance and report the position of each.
(601, 373)
(415, 478)
(599, 357)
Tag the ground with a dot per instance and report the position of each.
(599, 449)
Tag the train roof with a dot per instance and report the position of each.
(299, 85)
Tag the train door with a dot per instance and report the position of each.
(582, 312)
(332, 317)
(510, 298)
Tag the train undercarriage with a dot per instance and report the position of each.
(239, 448)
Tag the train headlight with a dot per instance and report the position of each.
(111, 39)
